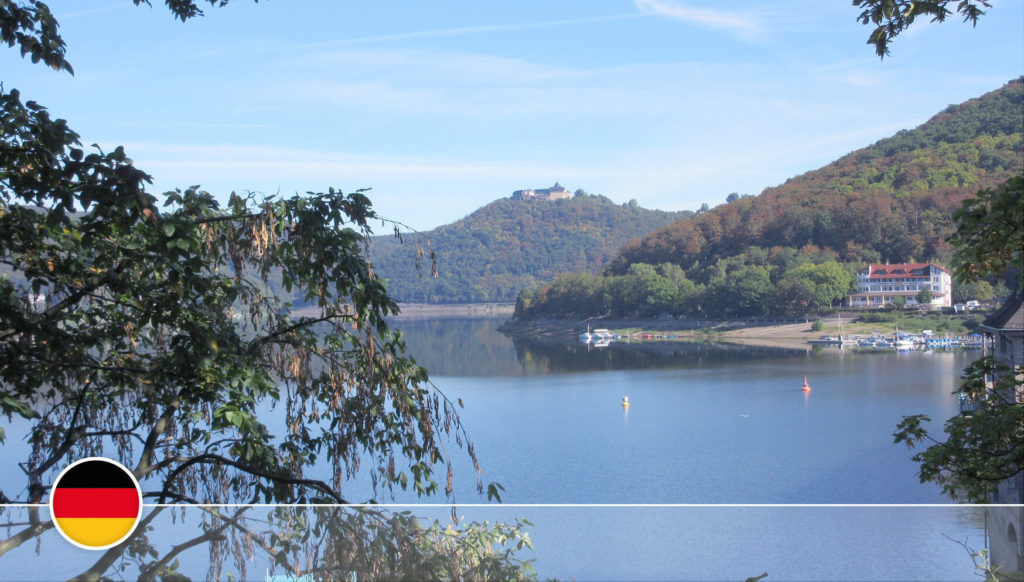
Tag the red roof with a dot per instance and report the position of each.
(898, 270)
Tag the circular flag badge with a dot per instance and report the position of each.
(96, 503)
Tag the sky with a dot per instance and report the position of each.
(441, 107)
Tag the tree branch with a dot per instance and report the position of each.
(37, 528)
(110, 556)
(150, 572)
(218, 459)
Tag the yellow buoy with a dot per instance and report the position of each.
(625, 401)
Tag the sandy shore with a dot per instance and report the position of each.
(777, 334)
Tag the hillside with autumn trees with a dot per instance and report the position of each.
(795, 247)
(509, 245)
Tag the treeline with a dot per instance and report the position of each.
(756, 282)
(508, 245)
(796, 248)
(892, 201)
(776, 281)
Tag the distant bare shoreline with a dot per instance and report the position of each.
(422, 310)
(790, 333)
(431, 310)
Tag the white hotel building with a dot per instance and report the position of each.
(878, 285)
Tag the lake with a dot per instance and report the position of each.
(722, 467)
(707, 424)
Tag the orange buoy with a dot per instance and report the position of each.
(806, 386)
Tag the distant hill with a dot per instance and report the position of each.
(891, 201)
(795, 248)
(511, 244)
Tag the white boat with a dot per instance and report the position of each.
(827, 340)
(598, 336)
(904, 344)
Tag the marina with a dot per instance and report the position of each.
(903, 342)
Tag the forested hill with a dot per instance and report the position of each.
(891, 201)
(511, 244)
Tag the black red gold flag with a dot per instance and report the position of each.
(96, 503)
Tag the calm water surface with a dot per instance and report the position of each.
(611, 492)
(707, 425)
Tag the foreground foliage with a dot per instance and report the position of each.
(157, 331)
(318, 542)
(984, 445)
(892, 17)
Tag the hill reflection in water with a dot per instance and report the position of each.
(475, 347)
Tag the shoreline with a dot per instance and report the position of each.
(431, 310)
(785, 332)
(471, 310)
(765, 333)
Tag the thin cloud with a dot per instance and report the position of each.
(95, 10)
(741, 25)
(472, 30)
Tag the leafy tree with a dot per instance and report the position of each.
(892, 17)
(925, 296)
(659, 293)
(152, 333)
(815, 286)
(977, 290)
(744, 291)
(982, 447)
(990, 235)
(793, 295)
(986, 443)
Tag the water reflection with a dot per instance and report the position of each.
(592, 543)
(464, 347)
(276, 543)
(474, 347)
(711, 423)
(542, 354)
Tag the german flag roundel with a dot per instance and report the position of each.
(96, 503)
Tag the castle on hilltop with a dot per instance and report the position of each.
(556, 192)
